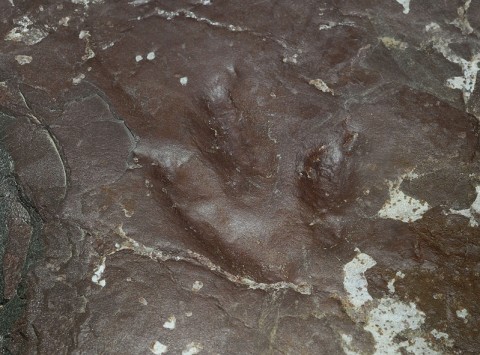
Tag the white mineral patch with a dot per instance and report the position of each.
(97, 276)
(170, 323)
(406, 5)
(354, 280)
(473, 212)
(400, 206)
(197, 286)
(138, 58)
(151, 56)
(158, 348)
(184, 80)
(192, 349)
(25, 33)
(386, 318)
(23, 59)
(321, 85)
(78, 79)
(462, 313)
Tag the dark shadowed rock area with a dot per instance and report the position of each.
(239, 177)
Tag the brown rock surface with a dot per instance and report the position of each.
(239, 177)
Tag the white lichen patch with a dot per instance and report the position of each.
(107, 45)
(347, 345)
(400, 206)
(192, 349)
(406, 5)
(89, 53)
(139, 2)
(292, 59)
(158, 348)
(463, 314)
(354, 280)
(391, 283)
(385, 319)
(466, 83)
(443, 337)
(470, 68)
(473, 212)
(197, 286)
(64, 21)
(78, 79)
(151, 56)
(461, 22)
(184, 81)
(83, 34)
(432, 26)
(332, 24)
(128, 213)
(321, 85)
(25, 32)
(98, 273)
(389, 319)
(419, 346)
(170, 323)
(86, 3)
(392, 43)
(138, 58)
(23, 59)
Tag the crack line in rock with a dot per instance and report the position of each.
(169, 15)
(193, 257)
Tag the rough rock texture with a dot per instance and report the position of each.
(239, 177)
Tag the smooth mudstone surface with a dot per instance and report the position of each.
(239, 177)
